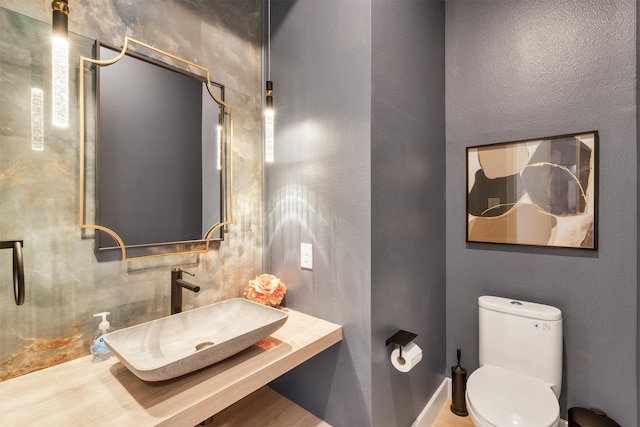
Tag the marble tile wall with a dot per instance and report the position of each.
(39, 189)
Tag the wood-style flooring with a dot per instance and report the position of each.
(446, 418)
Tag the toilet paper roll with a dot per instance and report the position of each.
(411, 356)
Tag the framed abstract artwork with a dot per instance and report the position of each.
(538, 192)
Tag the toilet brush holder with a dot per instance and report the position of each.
(458, 389)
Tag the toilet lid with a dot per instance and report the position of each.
(507, 398)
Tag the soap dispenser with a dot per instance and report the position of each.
(98, 348)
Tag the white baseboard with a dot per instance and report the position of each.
(430, 412)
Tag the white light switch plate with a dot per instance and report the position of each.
(306, 255)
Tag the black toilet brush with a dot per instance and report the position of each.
(458, 389)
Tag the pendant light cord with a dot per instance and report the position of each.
(268, 39)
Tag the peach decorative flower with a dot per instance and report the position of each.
(266, 289)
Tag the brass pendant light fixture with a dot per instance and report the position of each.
(60, 63)
(269, 128)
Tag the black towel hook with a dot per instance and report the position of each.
(18, 268)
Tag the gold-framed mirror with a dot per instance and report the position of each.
(163, 180)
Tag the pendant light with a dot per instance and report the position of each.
(37, 119)
(60, 63)
(269, 142)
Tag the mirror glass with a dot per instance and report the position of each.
(160, 151)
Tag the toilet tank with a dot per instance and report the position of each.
(521, 336)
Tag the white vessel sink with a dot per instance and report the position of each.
(185, 342)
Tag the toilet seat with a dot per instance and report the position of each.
(501, 397)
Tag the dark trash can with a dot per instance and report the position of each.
(592, 417)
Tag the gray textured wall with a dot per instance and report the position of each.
(361, 156)
(319, 191)
(39, 190)
(526, 69)
(408, 202)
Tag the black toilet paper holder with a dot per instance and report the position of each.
(401, 338)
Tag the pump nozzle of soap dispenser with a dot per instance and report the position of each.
(104, 324)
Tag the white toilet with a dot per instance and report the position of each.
(520, 375)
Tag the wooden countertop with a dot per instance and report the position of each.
(81, 392)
